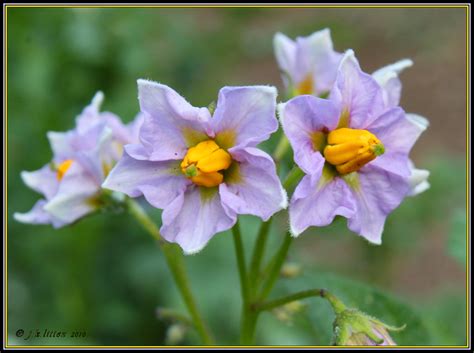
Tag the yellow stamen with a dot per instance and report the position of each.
(306, 86)
(204, 163)
(351, 149)
(63, 168)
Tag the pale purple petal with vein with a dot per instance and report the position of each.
(315, 204)
(312, 56)
(192, 219)
(301, 117)
(246, 112)
(387, 78)
(159, 181)
(378, 193)
(43, 180)
(398, 132)
(285, 52)
(257, 190)
(37, 215)
(315, 55)
(169, 119)
(357, 93)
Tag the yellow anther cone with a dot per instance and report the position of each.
(350, 149)
(204, 162)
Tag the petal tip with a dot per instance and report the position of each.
(98, 99)
(294, 232)
(284, 203)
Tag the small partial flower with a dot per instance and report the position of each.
(71, 182)
(354, 151)
(202, 170)
(308, 64)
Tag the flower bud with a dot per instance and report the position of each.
(352, 327)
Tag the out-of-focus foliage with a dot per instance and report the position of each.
(106, 277)
(457, 238)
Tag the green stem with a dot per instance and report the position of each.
(281, 148)
(291, 298)
(239, 252)
(174, 259)
(248, 316)
(275, 268)
(293, 177)
(249, 322)
(258, 254)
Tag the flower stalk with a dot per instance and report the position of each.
(174, 259)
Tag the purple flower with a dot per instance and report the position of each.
(82, 157)
(308, 64)
(202, 170)
(354, 150)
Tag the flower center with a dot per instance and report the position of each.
(63, 168)
(204, 162)
(305, 86)
(350, 149)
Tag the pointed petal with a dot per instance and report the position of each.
(398, 132)
(43, 181)
(357, 93)
(302, 119)
(387, 78)
(285, 52)
(160, 182)
(61, 144)
(244, 116)
(377, 194)
(171, 124)
(194, 217)
(100, 157)
(315, 55)
(37, 215)
(90, 114)
(418, 180)
(316, 204)
(255, 187)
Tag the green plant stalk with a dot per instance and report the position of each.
(293, 176)
(239, 252)
(281, 148)
(257, 255)
(291, 298)
(275, 269)
(247, 326)
(174, 259)
(250, 312)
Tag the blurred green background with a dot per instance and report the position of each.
(106, 277)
